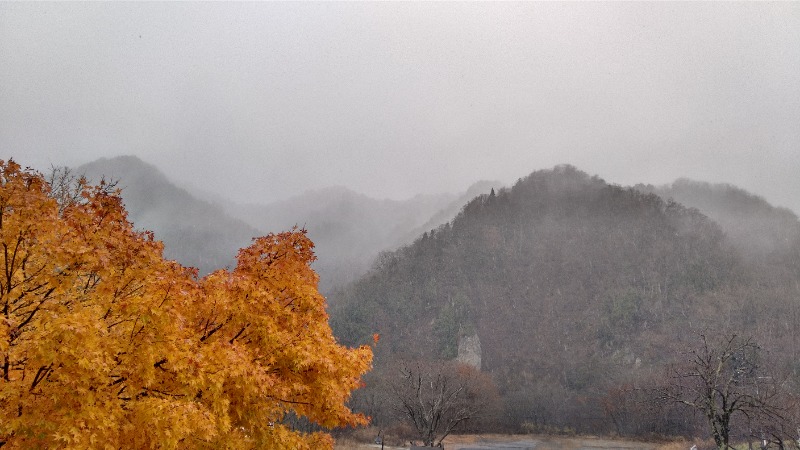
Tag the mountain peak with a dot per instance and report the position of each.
(195, 232)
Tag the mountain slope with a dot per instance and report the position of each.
(555, 235)
(450, 211)
(574, 287)
(757, 228)
(195, 233)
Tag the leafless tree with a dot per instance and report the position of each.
(67, 187)
(437, 398)
(725, 381)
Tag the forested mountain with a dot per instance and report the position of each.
(576, 289)
(195, 233)
(449, 211)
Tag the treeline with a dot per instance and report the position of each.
(582, 294)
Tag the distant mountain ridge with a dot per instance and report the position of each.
(756, 227)
(195, 233)
(450, 211)
(349, 229)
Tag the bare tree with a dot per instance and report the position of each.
(437, 398)
(726, 383)
(67, 188)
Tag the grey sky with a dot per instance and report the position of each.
(264, 100)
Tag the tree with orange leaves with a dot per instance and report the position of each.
(105, 344)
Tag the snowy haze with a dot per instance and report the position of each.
(260, 101)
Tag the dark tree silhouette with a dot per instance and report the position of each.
(437, 398)
(726, 382)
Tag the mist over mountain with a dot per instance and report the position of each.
(349, 229)
(575, 289)
(760, 230)
(195, 232)
(204, 230)
(450, 211)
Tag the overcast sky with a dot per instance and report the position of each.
(261, 101)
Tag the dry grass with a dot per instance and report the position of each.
(363, 441)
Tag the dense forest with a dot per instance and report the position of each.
(583, 296)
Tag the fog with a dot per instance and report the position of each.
(260, 101)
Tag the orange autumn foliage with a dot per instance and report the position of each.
(105, 344)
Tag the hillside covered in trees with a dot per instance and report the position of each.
(580, 293)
